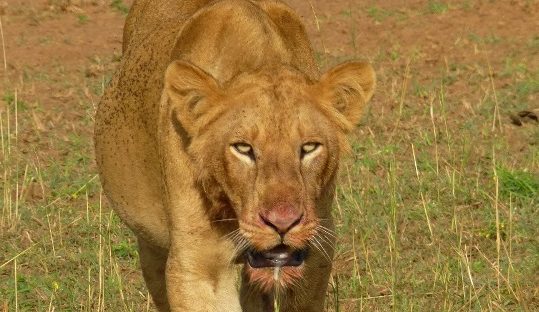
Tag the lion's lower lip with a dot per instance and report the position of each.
(280, 256)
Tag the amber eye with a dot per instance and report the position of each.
(309, 148)
(244, 149)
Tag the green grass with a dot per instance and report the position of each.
(440, 217)
(378, 14)
(437, 7)
(533, 44)
(490, 39)
(528, 86)
(518, 184)
(120, 6)
(82, 18)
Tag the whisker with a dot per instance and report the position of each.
(322, 249)
(297, 284)
(316, 245)
(326, 230)
(312, 244)
(224, 220)
(237, 238)
(326, 240)
(240, 246)
(240, 243)
(330, 235)
(232, 235)
(326, 236)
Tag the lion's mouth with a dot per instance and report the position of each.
(279, 256)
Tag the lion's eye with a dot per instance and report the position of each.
(309, 148)
(243, 148)
(243, 151)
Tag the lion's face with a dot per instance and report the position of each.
(266, 147)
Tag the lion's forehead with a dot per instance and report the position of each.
(277, 122)
(274, 110)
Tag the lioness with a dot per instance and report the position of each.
(218, 143)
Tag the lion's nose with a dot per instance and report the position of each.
(282, 217)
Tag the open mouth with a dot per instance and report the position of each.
(280, 256)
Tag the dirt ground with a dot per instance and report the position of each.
(477, 59)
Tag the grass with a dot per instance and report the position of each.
(82, 18)
(120, 6)
(437, 206)
(519, 184)
(437, 7)
(52, 215)
(377, 13)
(450, 221)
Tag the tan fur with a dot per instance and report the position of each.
(196, 78)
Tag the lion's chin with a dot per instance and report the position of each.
(267, 279)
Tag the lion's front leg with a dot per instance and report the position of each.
(307, 295)
(200, 278)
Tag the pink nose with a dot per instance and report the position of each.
(282, 217)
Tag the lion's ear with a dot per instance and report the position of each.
(192, 94)
(348, 87)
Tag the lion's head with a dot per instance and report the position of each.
(266, 147)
